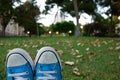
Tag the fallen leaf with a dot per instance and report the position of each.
(76, 71)
(25, 45)
(117, 48)
(34, 46)
(110, 48)
(111, 62)
(92, 53)
(87, 49)
(77, 51)
(60, 52)
(1, 44)
(117, 43)
(105, 42)
(96, 43)
(78, 44)
(76, 61)
(60, 42)
(80, 56)
(69, 63)
(119, 57)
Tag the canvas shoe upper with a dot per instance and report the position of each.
(19, 65)
(47, 65)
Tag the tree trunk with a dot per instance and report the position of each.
(111, 20)
(77, 30)
(3, 30)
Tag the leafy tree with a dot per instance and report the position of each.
(116, 7)
(41, 29)
(113, 10)
(6, 12)
(63, 27)
(95, 29)
(101, 27)
(112, 4)
(26, 16)
(74, 7)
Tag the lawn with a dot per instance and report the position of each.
(83, 58)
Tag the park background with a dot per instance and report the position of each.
(34, 17)
(89, 51)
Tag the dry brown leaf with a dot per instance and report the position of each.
(111, 62)
(77, 51)
(34, 46)
(117, 48)
(87, 49)
(69, 63)
(60, 42)
(119, 57)
(80, 56)
(117, 43)
(76, 71)
(1, 44)
(78, 44)
(60, 52)
(105, 42)
(39, 42)
(25, 45)
(77, 61)
(92, 53)
(110, 48)
(96, 43)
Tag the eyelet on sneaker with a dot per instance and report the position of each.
(27, 72)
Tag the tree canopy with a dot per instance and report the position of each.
(25, 14)
(84, 6)
(113, 6)
(73, 7)
(63, 27)
(6, 12)
(113, 10)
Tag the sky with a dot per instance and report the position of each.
(49, 19)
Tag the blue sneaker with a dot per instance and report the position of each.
(47, 65)
(19, 65)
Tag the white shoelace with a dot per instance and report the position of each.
(47, 74)
(18, 76)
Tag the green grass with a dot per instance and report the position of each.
(100, 62)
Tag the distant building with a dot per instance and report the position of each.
(59, 17)
(13, 29)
